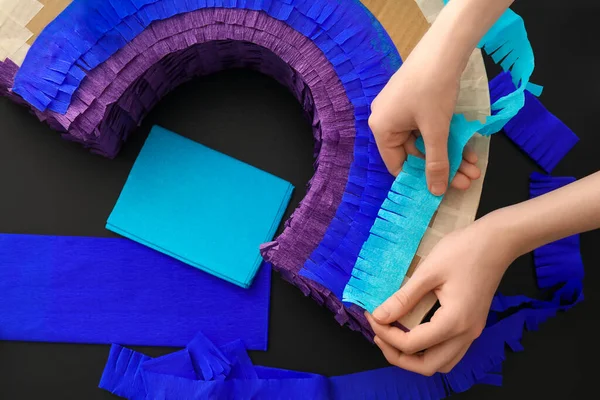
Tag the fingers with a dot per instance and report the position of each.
(411, 147)
(390, 144)
(428, 363)
(461, 181)
(470, 155)
(437, 167)
(470, 170)
(393, 158)
(467, 173)
(422, 337)
(401, 302)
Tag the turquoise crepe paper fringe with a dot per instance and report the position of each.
(395, 236)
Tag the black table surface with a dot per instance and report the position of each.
(50, 186)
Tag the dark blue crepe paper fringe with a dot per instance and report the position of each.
(534, 129)
(558, 267)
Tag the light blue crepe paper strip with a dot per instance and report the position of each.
(401, 223)
(386, 256)
(202, 207)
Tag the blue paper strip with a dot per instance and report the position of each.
(175, 376)
(200, 206)
(534, 129)
(558, 265)
(92, 290)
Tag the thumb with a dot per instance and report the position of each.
(437, 167)
(405, 299)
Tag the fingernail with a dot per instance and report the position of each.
(381, 313)
(438, 188)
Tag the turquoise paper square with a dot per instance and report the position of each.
(200, 206)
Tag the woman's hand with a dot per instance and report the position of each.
(465, 268)
(464, 271)
(421, 98)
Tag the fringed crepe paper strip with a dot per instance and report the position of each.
(100, 66)
(200, 206)
(93, 290)
(534, 129)
(558, 265)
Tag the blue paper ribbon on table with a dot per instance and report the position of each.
(540, 134)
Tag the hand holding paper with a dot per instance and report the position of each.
(463, 271)
(421, 96)
(466, 266)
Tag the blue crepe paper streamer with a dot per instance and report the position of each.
(558, 265)
(227, 373)
(405, 215)
(93, 290)
(200, 206)
(534, 129)
(362, 54)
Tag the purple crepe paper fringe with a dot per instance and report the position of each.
(534, 129)
(8, 69)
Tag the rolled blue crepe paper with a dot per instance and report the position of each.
(101, 291)
(404, 216)
(534, 129)
(200, 206)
